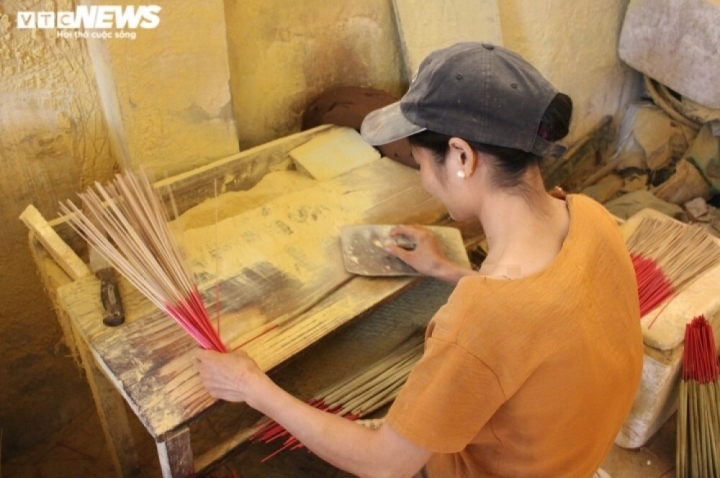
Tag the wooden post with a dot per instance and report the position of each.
(58, 249)
(175, 453)
(111, 411)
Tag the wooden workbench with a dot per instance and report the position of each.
(292, 290)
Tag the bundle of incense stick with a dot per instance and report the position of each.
(127, 224)
(667, 255)
(698, 426)
(355, 397)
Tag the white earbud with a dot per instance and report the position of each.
(461, 174)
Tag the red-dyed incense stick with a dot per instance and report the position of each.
(667, 255)
(355, 397)
(698, 426)
(128, 227)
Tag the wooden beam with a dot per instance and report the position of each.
(58, 249)
(175, 453)
(111, 411)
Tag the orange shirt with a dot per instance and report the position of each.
(531, 377)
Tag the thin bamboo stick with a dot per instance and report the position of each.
(356, 396)
(698, 431)
(667, 256)
(128, 227)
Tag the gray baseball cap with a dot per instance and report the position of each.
(477, 91)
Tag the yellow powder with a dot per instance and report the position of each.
(232, 203)
(276, 258)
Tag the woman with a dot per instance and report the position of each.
(531, 367)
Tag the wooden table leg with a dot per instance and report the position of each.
(113, 417)
(176, 457)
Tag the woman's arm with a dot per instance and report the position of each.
(347, 445)
(427, 256)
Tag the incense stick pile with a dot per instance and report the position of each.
(698, 430)
(355, 397)
(668, 255)
(127, 224)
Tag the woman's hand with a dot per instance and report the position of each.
(427, 256)
(233, 377)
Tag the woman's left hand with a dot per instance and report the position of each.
(234, 376)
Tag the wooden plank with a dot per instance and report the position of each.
(219, 451)
(175, 454)
(52, 276)
(113, 418)
(269, 275)
(60, 251)
(235, 173)
(333, 153)
(238, 172)
(427, 26)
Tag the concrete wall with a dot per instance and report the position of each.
(167, 100)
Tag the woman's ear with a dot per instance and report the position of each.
(463, 159)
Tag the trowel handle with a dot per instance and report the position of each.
(404, 242)
(114, 314)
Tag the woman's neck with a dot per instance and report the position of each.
(524, 233)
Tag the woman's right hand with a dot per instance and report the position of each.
(426, 257)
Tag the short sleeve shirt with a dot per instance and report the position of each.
(531, 377)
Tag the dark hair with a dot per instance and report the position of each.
(510, 164)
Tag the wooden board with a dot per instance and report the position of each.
(58, 249)
(333, 153)
(149, 357)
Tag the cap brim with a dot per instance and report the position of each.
(386, 125)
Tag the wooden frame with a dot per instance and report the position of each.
(98, 347)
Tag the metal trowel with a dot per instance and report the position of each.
(363, 249)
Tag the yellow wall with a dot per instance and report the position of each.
(166, 93)
(170, 97)
(283, 54)
(574, 43)
(53, 141)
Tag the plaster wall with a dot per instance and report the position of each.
(166, 93)
(284, 54)
(53, 142)
(574, 43)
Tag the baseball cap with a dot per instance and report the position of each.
(477, 91)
